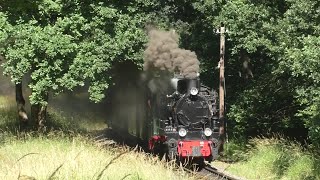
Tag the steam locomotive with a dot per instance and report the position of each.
(186, 122)
(180, 122)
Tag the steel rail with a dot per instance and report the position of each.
(211, 172)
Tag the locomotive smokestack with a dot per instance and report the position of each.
(163, 53)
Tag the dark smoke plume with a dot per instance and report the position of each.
(163, 53)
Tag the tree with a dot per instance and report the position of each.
(276, 36)
(63, 44)
(301, 59)
(6, 28)
(271, 51)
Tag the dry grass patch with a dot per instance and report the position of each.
(63, 157)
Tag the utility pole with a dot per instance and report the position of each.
(222, 32)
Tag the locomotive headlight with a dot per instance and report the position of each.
(207, 132)
(194, 91)
(182, 132)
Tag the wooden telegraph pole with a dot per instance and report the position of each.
(222, 32)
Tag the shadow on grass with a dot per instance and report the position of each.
(10, 124)
(59, 122)
(9, 121)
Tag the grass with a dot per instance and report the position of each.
(273, 158)
(69, 151)
(81, 122)
(59, 156)
(8, 114)
(76, 112)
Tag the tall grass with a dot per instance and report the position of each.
(60, 156)
(68, 151)
(274, 158)
(8, 114)
(80, 122)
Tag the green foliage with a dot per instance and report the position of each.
(301, 59)
(282, 42)
(304, 64)
(5, 29)
(45, 52)
(62, 49)
(249, 25)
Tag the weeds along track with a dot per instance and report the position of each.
(110, 136)
(210, 172)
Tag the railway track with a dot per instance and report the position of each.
(209, 172)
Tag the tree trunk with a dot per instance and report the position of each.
(23, 117)
(42, 118)
(39, 114)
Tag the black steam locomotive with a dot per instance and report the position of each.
(180, 121)
(187, 122)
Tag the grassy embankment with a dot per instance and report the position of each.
(71, 155)
(272, 158)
